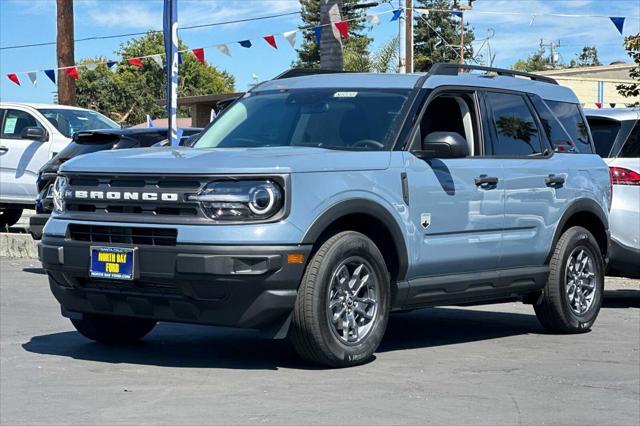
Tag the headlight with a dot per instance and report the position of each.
(59, 188)
(240, 200)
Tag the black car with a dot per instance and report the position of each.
(93, 141)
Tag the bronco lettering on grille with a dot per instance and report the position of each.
(126, 195)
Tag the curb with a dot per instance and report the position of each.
(21, 246)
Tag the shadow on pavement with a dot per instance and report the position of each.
(623, 298)
(38, 271)
(192, 346)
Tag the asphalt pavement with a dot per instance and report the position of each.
(482, 365)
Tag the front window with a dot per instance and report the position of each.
(70, 121)
(358, 119)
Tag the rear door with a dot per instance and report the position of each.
(533, 178)
(20, 159)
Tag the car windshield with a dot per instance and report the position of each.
(360, 119)
(69, 121)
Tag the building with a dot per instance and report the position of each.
(596, 86)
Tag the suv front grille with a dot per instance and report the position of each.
(122, 235)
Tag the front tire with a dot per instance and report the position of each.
(113, 330)
(343, 301)
(572, 298)
(9, 217)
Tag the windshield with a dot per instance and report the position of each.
(69, 121)
(324, 118)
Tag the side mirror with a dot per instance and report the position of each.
(443, 145)
(34, 133)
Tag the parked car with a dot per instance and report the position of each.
(83, 143)
(316, 205)
(31, 134)
(616, 133)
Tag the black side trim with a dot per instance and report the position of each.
(370, 208)
(405, 187)
(475, 287)
(581, 205)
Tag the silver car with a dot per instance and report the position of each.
(616, 133)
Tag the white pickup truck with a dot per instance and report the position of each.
(30, 135)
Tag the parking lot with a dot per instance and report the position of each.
(481, 365)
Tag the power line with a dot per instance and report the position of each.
(191, 27)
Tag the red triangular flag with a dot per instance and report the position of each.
(14, 78)
(343, 27)
(271, 40)
(72, 72)
(199, 54)
(598, 105)
(136, 62)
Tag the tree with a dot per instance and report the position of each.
(588, 57)
(632, 90)
(130, 93)
(535, 62)
(385, 59)
(437, 35)
(309, 52)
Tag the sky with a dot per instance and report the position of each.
(513, 36)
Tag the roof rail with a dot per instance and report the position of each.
(299, 72)
(453, 69)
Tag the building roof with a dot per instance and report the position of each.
(620, 114)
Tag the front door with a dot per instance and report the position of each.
(20, 159)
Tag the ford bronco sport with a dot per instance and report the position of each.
(317, 204)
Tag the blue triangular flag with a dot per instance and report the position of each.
(245, 43)
(179, 133)
(396, 15)
(618, 22)
(318, 32)
(110, 64)
(457, 13)
(51, 74)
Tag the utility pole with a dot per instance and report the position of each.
(408, 36)
(552, 49)
(64, 43)
(462, 9)
(330, 42)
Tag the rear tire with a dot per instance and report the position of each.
(113, 330)
(9, 217)
(572, 298)
(343, 301)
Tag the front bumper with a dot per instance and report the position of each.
(238, 286)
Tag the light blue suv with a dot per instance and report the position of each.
(319, 203)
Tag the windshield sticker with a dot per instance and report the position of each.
(345, 94)
(10, 125)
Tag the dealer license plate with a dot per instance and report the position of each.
(112, 262)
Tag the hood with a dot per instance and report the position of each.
(227, 161)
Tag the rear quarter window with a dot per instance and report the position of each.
(631, 147)
(604, 132)
(571, 118)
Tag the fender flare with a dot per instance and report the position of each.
(369, 208)
(579, 206)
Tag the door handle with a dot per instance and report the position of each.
(3, 149)
(486, 181)
(554, 181)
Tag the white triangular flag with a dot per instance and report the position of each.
(157, 59)
(420, 10)
(91, 67)
(223, 49)
(373, 19)
(291, 37)
(33, 77)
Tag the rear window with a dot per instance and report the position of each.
(631, 148)
(573, 122)
(604, 134)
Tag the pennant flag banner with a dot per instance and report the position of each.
(618, 22)
(14, 78)
(291, 37)
(343, 28)
(33, 77)
(457, 13)
(222, 48)
(135, 62)
(72, 72)
(110, 64)
(612, 105)
(271, 40)
(157, 59)
(318, 33)
(598, 105)
(373, 19)
(245, 43)
(51, 74)
(91, 67)
(396, 15)
(199, 54)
